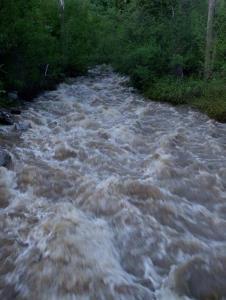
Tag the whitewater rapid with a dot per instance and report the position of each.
(112, 197)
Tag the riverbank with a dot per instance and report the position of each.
(13, 102)
(120, 197)
(208, 97)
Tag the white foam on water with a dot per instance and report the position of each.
(112, 197)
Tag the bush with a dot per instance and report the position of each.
(176, 91)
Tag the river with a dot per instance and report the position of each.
(112, 197)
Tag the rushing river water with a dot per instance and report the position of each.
(113, 198)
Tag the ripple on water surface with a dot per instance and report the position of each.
(113, 197)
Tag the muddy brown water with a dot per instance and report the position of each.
(112, 197)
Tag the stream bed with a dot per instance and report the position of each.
(112, 197)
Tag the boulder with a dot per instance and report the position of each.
(202, 278)
(6, 118)
(5, 159)
(13, 95)
(22, 126)
(15, 111)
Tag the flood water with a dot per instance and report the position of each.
(112, 197)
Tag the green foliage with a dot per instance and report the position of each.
(2, 91)
(220, 65)
(79, 35)
(150, 39)
(175, 91)
(160, 44)
(27, 44)
(38, 46)
(209, 97)
(213, 101)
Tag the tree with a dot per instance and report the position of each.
(62, 29)
(209, 55)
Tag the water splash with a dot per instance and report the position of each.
(113, 197)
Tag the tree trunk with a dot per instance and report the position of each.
(62, 21)
(209, 56)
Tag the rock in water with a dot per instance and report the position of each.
(6, 118)
(13, 95)
(15, 111)
(202, 278)
(22, 126)
(5, 159)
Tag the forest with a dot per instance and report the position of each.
(112, 149)
(173, 50)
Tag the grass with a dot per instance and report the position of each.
(209, 97)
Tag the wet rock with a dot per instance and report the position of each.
(9, 292)
(5, 159)
(15, 111)
(146, 282)
(202, 278)
(22, 126)
(64, 153)
(13, 95)
(6, 118)
(141, 190)
(104, 135)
